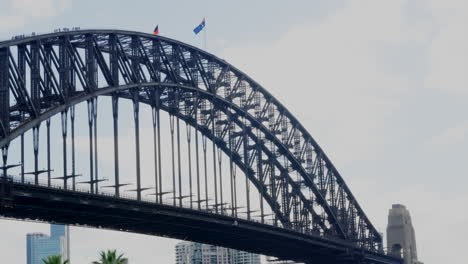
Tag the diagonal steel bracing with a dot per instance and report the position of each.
(279, 158)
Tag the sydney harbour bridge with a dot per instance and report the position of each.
(228, 163)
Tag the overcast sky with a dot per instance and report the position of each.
(382, 85)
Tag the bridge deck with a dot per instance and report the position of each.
(33, 202)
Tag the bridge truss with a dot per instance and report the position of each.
(211, 126)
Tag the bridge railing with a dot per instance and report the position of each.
(33, 34)
(168, 202)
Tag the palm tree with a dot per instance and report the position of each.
(111, 257)
(55, 259)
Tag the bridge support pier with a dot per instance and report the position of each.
(401, 239)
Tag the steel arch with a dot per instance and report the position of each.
(142, 60)
(190, 120)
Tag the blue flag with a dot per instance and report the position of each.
(199, 27)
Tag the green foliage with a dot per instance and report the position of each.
(111, 257)
(55, 259)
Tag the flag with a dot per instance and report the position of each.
(199, 27)
(156, 30)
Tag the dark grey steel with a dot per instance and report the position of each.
(280, 159)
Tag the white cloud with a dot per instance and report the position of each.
(20, 12)
(11, 22)
(340, 68)
(448, 54)
(451, 136)
(40, 8)
(343, 79)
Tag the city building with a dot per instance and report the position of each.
(40, 246)
(401, 238)
(274, 260)
(197, 253)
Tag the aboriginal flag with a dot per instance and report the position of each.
(156, 30)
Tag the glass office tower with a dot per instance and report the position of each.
(40, 246)
(197, 253)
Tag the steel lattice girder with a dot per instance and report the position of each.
(146, 61)
(58, 205)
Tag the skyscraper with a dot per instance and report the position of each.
(40, 246)
(197, 253)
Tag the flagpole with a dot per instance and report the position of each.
(204, 34)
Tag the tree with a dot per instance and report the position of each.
(111, 257)
(55, 259)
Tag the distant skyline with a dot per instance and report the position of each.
(381, 85)
(196, 253)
